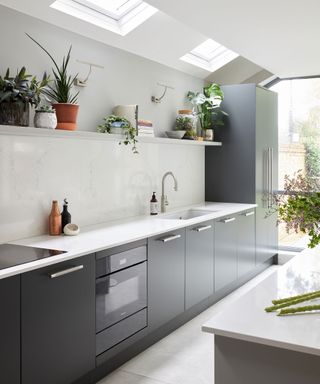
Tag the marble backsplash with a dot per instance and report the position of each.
(102, 180)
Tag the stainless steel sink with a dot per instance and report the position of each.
(185, 215)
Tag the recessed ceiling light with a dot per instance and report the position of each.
(119, 16)
(210, 56)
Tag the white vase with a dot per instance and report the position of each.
(45, 120)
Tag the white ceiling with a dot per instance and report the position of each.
(278, 35)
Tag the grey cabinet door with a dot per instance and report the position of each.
(225, 252)
(246, 242)
(266, 172)
(10, 330)
(199, 262)
(58, 322)
(166, 265)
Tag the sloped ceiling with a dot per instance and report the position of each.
(278, 35)
(180, 26)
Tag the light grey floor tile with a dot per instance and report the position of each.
(122, 377)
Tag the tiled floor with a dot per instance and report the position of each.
(183, 357)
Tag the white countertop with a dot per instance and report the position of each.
(107, 235)
(247, 320)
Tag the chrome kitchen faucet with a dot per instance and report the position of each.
(164, 199)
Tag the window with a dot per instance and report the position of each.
(118, 16)
(299, 137)
(210, 56)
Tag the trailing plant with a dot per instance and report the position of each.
(22, 88)
(207, 105)
(60, 91)
(298, 206)
(129, 131)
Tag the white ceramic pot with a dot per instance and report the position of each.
(208, 135)
(45, 120)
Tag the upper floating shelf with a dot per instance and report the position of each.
(84, 135)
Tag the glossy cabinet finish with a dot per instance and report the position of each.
(246, 242)
(199, 263)
(58, 322)
(226, 259)
(166, 277)
(10, 330)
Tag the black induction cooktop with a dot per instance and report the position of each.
(12, 255)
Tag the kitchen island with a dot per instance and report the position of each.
(252, 346)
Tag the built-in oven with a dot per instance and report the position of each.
(121, 294)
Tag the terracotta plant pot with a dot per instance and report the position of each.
(66, 116)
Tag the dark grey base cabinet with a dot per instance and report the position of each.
(235, 252)
(10, 330)
(225, 252)
(166, 264)
(58, 322)
(199, 263)
(246, 242)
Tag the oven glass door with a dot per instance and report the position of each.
(120, 294)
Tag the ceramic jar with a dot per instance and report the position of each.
(45, 120)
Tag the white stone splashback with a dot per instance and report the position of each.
(102, 180)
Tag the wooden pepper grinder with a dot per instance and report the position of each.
(55, 220)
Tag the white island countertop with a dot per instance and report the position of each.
(246, 319)
(111, 234)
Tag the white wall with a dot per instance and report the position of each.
(125, 79)
(102, 180)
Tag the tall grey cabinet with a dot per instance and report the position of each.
(245, 168)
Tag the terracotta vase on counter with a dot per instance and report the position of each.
(66, 115)
(55, 222)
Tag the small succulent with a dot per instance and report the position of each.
(22, 88)
(45, 108)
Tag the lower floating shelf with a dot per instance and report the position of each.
(85, 135)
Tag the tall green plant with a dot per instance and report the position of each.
(60, 92)
(208, 105)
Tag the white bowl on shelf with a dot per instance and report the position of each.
(175, 134)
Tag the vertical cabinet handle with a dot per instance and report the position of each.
(202, 228)
(170, 238)
(271, 176)
(66, 271)
(229, 220)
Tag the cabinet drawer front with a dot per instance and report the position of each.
(120, 294)
(113, 263)
(120, 331)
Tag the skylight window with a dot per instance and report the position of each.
(119, 16)
(210, 56)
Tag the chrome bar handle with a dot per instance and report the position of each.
(248, 213)
(267, 173)
(228, 220)
(170, 238)
(271, 176)
(202, 228)
(66, 271)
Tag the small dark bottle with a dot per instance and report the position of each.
(153, 204)
(66, 217)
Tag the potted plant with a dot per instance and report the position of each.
(60, 93)
(208, 109)
(45, 117)
(116, 124)
(298, 206)
(17, 94)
